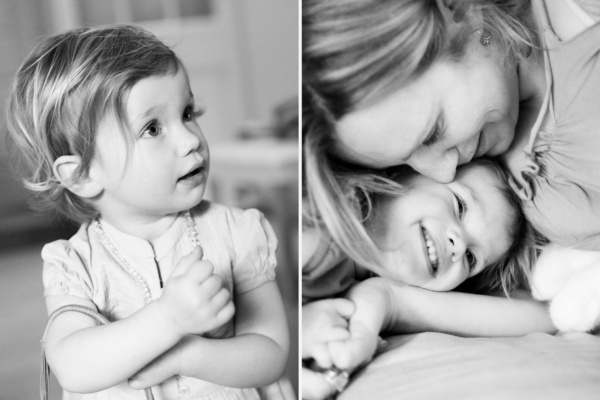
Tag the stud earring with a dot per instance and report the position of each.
(486, 37)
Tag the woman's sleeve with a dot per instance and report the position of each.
(255, 246)
(64, 272)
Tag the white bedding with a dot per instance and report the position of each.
(444, 367)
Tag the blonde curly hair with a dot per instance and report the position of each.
(61, 92)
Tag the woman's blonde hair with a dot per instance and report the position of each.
(356, 50)
(61, 92)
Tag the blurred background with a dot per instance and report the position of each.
(242, 58)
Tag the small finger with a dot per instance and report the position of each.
(340, 354)
(226, 313)
(336, 333)
(314, 385)
(344, 307)
(211, 285)
(320, 353)
(220, 299)
(185, 263)
(200, 271)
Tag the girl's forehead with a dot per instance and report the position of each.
(157, 92)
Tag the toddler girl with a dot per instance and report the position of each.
(107, 122)
(434, 236)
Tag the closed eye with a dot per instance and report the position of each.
(437, 134)
(434, 138)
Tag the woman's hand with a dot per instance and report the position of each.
(324, 321)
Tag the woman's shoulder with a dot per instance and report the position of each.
(570, 18)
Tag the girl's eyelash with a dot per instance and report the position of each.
(147, 128)
(471, 259)
(194, 112)
(462, 206)
(462, 209)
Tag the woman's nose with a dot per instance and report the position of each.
(435, 165)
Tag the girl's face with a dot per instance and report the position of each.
(454, 112)
(167, 166)
(437, 235)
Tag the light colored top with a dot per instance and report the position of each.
(240, 244)
(560, 183)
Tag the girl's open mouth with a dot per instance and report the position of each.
(431, 250)
(191, 174)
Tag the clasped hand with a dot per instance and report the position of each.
(194, 299)
(331, 338)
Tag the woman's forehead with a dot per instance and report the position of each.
(386, 133)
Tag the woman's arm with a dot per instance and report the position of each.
(88, 358)
(254, 357)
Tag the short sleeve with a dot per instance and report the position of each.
(64, 271)
(255, 247)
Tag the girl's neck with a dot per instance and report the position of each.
(146, 227)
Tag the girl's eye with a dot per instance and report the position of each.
(152, 130)
(471, 259)
(189, 114)
(462, 206)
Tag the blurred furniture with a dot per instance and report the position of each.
(263, 174)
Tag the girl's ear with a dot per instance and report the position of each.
(64, 170)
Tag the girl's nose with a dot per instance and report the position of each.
(189, 140)
(458, 246)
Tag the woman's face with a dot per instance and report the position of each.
(454, 112)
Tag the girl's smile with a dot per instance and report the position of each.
(437, 235)
(431, 252)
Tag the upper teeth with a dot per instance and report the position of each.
(430, 248)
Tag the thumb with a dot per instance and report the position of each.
(344, 307)
(185, 262)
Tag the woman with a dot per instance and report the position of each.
(434, 84)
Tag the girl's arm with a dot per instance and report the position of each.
(373, 311)
(88, 358)
(254, 357)
(419, 310)
(383, 306)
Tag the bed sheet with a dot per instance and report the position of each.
(438, 366)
